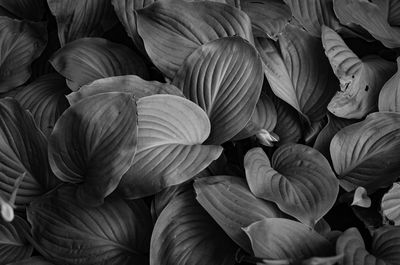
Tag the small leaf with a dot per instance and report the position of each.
(361, 198)
(389, 97)
(390, 204)
(25, 9)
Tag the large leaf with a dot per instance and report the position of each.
(81, 18)
(360, 79)
(87, 59)
(117, 232)
(170, 36)
(23, 149)
(390, 205)
(224, 77)
(373, 15)
(185, 234)
(231, 204)
(21, 42)
(298, 179)
(25, 9)
(300, 74)
(45, 99)
(170, 151)
(389, 97)
(367, 153)
(94, 142)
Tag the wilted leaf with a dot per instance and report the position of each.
(390, 204)
(361, 198)
(224, 77)
(389, 97)
(25, 9)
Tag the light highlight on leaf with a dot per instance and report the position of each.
(389, 97)
(390, 204)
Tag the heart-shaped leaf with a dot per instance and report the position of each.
(45, 99)
(231, 204)
(170, 36)
(361, 198)
(366, 153)
(390, 204)
(117, 232)
(224, 77)
(82, 18)
(389, 97)
(360, 79)
(87, 59)
(185, 234)
(298, 179)
(25, 9)
(170, 151)
(93, 143)
(21, 43)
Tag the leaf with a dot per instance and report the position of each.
(371, 15)
(170, 36)
(389, 97)
(93, 144)
(23, 149)
(126, 83)
(298, 179)
(231, 204)
(224, 77)
(78, 19)
(25, 9)
(117, 232)
(279, 238)
(361, 198)
(35, 260)
(185, 234)
(360, 79)
(87, 59)
(21, 43)
(45, 99)
(301, 74)
(170, 151)
(390, 204)
(366, 153)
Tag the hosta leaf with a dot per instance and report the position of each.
(278, 238)
(361, 198)
(224, 77)
(126, 83)
(360, 79)
(87, 59)
(301, 75)
(185, 234)
(45, 99)
(35, 260)
(93, 143)
(231, 204)
(373, 15)
(21, 42)
(170, 151)
(389, 97)
(170, 36)
(390, 204)
(23, 149)
(25, 9)
(298, 179)
(117, 232)
(366, 153)
(81, 18)
(268, 17)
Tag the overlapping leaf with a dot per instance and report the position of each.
(389, 97)
(390, 205)
(360, 79)
(25, 9)
(21, 42)
(117, 232)
(224, 77)
(231, 204)
(298, 179)
(170, 151)
(87, 59)
(170, 36)
(366, 153)
(93, 143)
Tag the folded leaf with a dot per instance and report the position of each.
(21, 43)
(93, 143)
(35, 260)
(126, 83)
(117, 232)
(170, 151)
(390, 204)
(170, 36)
(366, 153)
(389, 97)
(82, 18)
(224, 77)
(87, 59)
(25, 9)
(298, 179)
(45, 99)
(231, 204)
(361, 198)
(360, 79)
(185, 234)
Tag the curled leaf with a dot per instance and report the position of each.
(389, 97)
(361, 198)
(390, 204)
